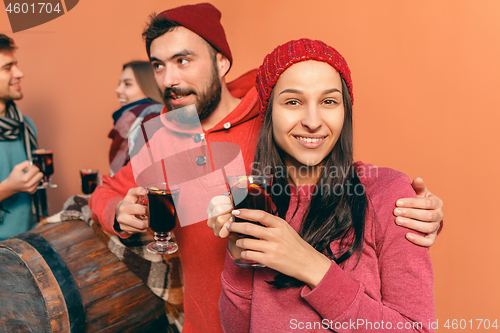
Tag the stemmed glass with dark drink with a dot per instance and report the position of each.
(90, 179)
(251, 192)
(162, 216)
(43, 159)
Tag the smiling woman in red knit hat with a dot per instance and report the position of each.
(334, 258)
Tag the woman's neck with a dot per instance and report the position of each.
(303, 174)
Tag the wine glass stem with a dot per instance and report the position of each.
(162, 237)
(162, 244)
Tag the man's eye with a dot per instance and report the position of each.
(183, 61)
(157, 66)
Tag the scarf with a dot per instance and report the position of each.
(117, 114)
(126, 119)
(13, 126)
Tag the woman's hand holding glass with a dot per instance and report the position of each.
(219, 217)
(219, 213)
(278, 246)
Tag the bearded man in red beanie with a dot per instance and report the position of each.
(190, 55)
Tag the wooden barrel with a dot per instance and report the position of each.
(62, 278)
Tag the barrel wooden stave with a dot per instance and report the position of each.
(67, 233)
(92, 295)
(103, 267)
(114, 299)
(123, 314)
(20, 289)
(46, 287)
(105, 273)
(47, 284)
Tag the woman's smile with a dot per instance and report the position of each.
(310, 142)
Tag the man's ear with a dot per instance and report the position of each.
(223, 65)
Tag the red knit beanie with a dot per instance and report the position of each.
(291, 53)
(204, 20)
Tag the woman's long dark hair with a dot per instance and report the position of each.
(331, 214)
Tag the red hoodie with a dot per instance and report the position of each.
(201, 253)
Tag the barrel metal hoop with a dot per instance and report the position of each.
(64, 278)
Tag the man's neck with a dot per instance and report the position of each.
(3, 108)
(226, 105)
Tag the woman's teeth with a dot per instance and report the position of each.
(309, 139)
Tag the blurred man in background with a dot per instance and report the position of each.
(19, 178)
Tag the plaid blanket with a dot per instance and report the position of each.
(162, 274)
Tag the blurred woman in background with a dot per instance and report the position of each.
(141, 99)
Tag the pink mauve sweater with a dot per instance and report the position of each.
(391, 288)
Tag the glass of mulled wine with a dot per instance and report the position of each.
(43, 159)
(90, 180)
(251, 192)
(162, 216)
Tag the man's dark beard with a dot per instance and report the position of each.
(206, 102)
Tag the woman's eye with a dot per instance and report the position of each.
(330, 102)
(292, 103)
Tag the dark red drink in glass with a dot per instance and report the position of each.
(252, 196)
(251, 192)
(162, 216)
(162, 213)
(90, 179)
(43, 159)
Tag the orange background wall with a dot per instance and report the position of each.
(426, 77)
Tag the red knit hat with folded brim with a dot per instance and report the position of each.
(291, 53)
(204, 20)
